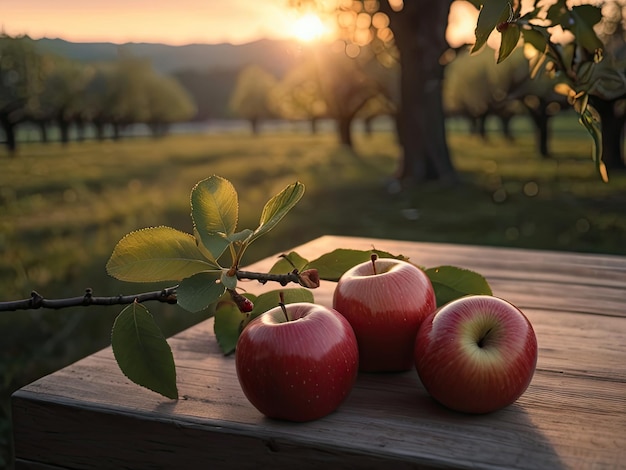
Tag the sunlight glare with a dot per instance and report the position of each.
(309, 28)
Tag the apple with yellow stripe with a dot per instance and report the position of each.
(476, 354)
(385, 300)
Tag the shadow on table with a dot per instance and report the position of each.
(396, 415)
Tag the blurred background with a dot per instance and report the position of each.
(111, 111)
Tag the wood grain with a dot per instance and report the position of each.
(573, 415)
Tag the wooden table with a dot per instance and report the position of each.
(573, 415)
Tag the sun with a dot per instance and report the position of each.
(309, 27)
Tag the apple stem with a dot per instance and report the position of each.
(481, 341)
(374, 257)
(282, 305)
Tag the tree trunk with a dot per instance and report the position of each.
(344, 125)
(505, 122)
(368, 126)
(612, 125)
(254, 125)
(80, 130)
(9, 132)
(99, 125)
(541, 119)
(64, 127)
(43, 130)
(419, 31)
(117, 131)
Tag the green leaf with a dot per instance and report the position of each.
(536, 37)
(269, 300)
(589, 14)
(282, 266)
(277, 207)
(142, 352)
(510, 38)
(240, 236)
(451, 282)
(229, 282)
(230, 321)
(584, 18)
(214, 210)
(228, 324)
(491, 14)
(557, 13)
(331, 266)
(197, 292)
(587, 120)
(156, 254)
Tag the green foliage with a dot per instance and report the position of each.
(142, 352)
(330, 266)
(492, 13)
(214, 210)
(157, 254)
(450, 283)
(228, 323)
(166, 254)
(579, 71)
(250, 98)
(199, 291)
(591, 123)
(510, 39)
(276, 208)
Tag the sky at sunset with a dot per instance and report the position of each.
(163, 21)
(167, 21)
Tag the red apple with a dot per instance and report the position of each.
(385, 300)
(297, 362)
(476, 354)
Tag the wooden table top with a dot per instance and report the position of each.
(573, 414)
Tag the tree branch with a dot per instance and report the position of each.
(308, 278)
(36, 300)
(282, 279)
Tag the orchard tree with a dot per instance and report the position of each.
(476, 87)
(329, 84)
(127, 92)
(346, 89)
(592, 75)
(63, 97)
(167, 102)
(413, 34)
(21, 83)
(298, 96)
(250, 98)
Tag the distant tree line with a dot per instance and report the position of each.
(48, 90)
(332, 86)
(326, 83)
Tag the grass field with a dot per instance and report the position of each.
(62, 209)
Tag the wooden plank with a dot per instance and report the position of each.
(495, 262)
(572, 416)
(535, 279)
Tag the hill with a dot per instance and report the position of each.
(275, 56)
(207, 71)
